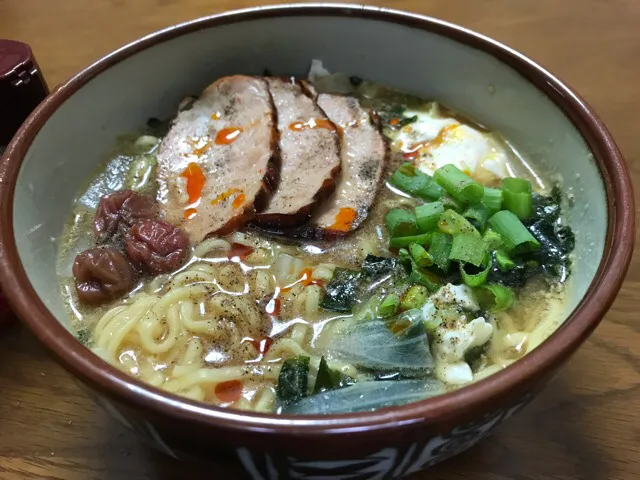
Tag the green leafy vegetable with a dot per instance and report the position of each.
(459, 185)
(474, 354)
(395, 345)
(348, 286)
(556, 240)
(293, 379)
(342, 290)
(403, 122)
(158, 128)
(374, 266)
(366, 397)
(84, 336)
(393, 116)
(329, 379)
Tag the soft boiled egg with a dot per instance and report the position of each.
(434, 140)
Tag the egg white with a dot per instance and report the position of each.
(433, 141)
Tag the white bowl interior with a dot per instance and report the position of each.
(152, 82)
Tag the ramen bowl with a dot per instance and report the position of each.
(64, 140)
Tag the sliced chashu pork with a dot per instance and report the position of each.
(363, 155)
(218, 163)
(310, 155)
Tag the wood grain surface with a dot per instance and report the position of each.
(584, 426)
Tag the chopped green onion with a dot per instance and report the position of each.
(451, 203)
(478, 215)
(424, 277)
(468, 249)
(440, 249)
(457, 184)
(492, 240)
(389, 306)
(400, 223)
(432, 323)
(478, 278)
(495, 297)
(492, 199)
(404, 256)
(427, 216)
(141, 172)
(517, 197)
(505, 263)
(407, 169)
(422, 239)
(514, 234)
(415, 297)
(453, 223)
(412, 181)
(420, 255)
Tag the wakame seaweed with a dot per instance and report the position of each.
(347, 286)
(374, 266)
(330, 379)
(393, 117)
(557, 241)
(473, 355)
(158, 128)
(292, 382)
(84, 336)
(397, 345)
(342, 290)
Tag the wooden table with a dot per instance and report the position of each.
(585, 426)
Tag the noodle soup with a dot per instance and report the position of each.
(362, 248)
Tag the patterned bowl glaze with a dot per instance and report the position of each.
(62, 142)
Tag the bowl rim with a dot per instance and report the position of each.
(552, 352)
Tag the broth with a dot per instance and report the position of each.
(220, 328)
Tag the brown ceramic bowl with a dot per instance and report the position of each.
(62, 142)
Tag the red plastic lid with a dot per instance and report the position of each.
(22, 88)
